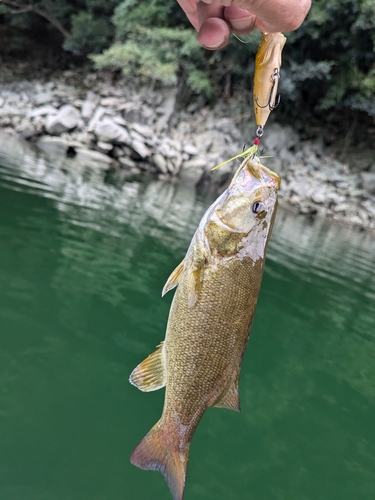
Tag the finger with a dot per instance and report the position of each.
(190, 9)
(240, 20)
(214, 32)
(206, 11)
(277, 15)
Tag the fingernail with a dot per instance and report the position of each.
(216, 45)
(242, 23)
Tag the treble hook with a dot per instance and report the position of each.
(275, 77)
(267, 75)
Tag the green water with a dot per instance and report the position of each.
(82, 265)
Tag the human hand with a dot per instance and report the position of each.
(215, 20)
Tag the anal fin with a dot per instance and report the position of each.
(230, 398)
(173, 279)
(150, 374)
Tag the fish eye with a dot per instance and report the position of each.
(257, 207)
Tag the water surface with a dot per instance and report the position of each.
(82, 265)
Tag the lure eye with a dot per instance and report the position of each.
(257, 207)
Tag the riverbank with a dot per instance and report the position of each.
(117, 127)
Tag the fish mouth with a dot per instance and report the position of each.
(262, 173)
(273, 177)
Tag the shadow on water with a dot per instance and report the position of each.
(82, 264)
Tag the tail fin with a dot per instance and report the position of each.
(154, 452)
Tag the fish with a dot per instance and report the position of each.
(266, 75)
(209, 322)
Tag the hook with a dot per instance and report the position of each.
(275, 77)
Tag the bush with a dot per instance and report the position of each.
(89, 34)
(332, 56)
(149, 49)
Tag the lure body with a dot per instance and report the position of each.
(266, 77)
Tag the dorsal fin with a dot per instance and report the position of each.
(230, 398)
(150, 374)
(173, 279)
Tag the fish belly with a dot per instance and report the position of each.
(205, 344)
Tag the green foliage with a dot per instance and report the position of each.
(139, 61)
(149, 50)
(328, 63)
(85, 25)
(89, 34)
(132, 13)
(332, 56)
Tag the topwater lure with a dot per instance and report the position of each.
(266, 77)
(266, 82)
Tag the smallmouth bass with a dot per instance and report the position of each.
(209, 321)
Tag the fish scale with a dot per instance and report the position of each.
(209, 322)
(217, 327)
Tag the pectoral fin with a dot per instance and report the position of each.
(150, 374)
(173, 279)
(195, 281)
(196, 274)
(230, 398)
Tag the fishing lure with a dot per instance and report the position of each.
(266, 82)
(266, 77)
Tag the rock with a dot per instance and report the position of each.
(160, 162)
(87, 110)
(26, 130)
(279, 137)
(53, 144)
(319, 197)
(43, 98)
(99, 113)
(43, 111)
(66, 119)
(174, 164)
(228, 127)
(104, 147)
(126, 162)
(334, 198)
(214, 142)
(140, 149)
(93, 158)
(137, 137)
(191, 171)
(120, 120)
(143, 130)
(9, 131)
(294, 200)
(5, 121)
(190, 149)
(368, 181)
(110, 101)
(82, 137)
(108, 131)
(16, 120)
(166, 110)
(356, 193)
(274, 164)
(341, 207)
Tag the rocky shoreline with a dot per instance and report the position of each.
(113, 127)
